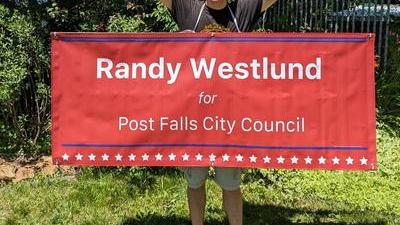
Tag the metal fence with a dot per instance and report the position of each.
(335, 16)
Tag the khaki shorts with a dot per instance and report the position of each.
(227, 178)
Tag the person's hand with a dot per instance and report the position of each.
(266, 4)
(167, 3)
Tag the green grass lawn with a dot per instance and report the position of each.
(158, 196)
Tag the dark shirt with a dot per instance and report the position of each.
(186, 12)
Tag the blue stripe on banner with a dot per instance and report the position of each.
(216, 39)
(346, 148)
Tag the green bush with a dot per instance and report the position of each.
(25, 60)
(24, 94)
(388, 86)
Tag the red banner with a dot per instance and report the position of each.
(282, 100)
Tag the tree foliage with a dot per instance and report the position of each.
(24, 90)
(25, 26)
(388, 85)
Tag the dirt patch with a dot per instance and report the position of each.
(23, 173)
(22, 169)
(7, 171)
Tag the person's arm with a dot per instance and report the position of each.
(266, 4)
(167, 3)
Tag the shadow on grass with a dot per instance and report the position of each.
(271, 215)
(268, 214)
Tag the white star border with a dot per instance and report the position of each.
(257, 159)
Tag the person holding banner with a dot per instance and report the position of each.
(237, 16)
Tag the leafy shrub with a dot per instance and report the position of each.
(388, 86)
(25, 65)
(24, 94)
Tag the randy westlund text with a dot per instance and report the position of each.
(256, 69)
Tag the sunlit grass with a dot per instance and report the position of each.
(144, 196)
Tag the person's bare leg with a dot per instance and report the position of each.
(233, 205)
(197, 204)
